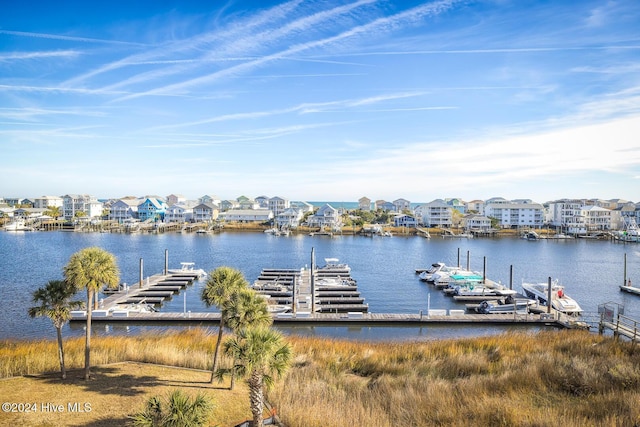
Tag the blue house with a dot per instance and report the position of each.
(152, 208)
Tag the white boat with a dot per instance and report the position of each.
(188, 268)
(277, 232)
(447, 275)
(278, 308)
(531, 235)
(140, 307)
(335, 264)
(559, 299)
(17, 225)
(427, 275)
(630, 233)
(334, 282)
(506, 305)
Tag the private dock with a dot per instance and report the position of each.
(128, 300)
(326, 295)
(327, 289)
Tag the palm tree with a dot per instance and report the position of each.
(90, 269)
(244, 309)
(54, 302)
(261, 355)
(222, 284)
(180, 411)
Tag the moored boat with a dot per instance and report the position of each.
(188, 268)
(559, 299)
(507, 305)
(17, 225)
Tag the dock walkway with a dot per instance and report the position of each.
(127, 300)
(349, 318)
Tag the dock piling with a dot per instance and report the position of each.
(141, 272)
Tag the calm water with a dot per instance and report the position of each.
(384, 268)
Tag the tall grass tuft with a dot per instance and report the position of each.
(191, 349)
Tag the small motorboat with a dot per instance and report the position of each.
(506, 305)
(188, 268)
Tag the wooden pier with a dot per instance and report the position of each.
(612, 318)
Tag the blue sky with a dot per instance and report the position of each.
(321, 100)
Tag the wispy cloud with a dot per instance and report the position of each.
(305, 108)
(193, 44)
(12, 56)
(68, 38)
(369, 29)
(33, 113)
(57, 89)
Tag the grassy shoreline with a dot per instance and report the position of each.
(569, 378)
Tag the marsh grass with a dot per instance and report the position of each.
(190, 349)
(568, 378)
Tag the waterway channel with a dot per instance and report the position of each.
(384, 267)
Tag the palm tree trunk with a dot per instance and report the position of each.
(214, 368)
(233, 374)
(63, 370)
(256, 398)
(87, 346)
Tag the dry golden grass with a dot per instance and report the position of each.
(568, 378)
(114, 392)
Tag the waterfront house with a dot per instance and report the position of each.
(247, 215)
(205, 212)
(596, 218)
(28, 213)
(476, 222)
(580, 216)
(289, 218)
(179, 212)
(563, 213)
(326, 217)
(152, 208)
(74, 205)
(402, 205)
(364, 204)
(123, 210)
(522, 213)
(277, 205)
(435, 214)
(47, 202)
(404, 220)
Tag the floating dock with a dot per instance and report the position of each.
(141, 298)
(327, 289)
(326, 295)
